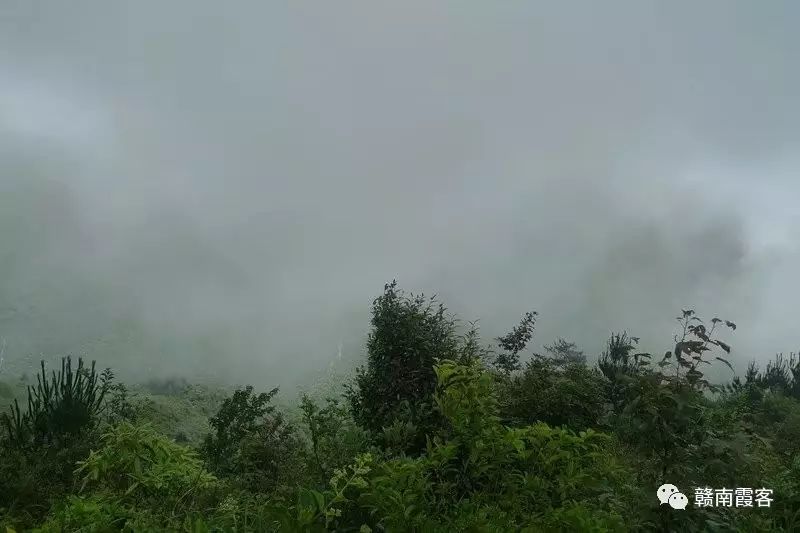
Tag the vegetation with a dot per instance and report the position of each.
(436, 432)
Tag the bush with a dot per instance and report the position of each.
(30, 481)
(39, 446)
(475, 475)
(183, 416)
(137, 481)
(558, 393)
(333, 436)
(408, 334)
(90, 515)
(60, 409)
(252, 444)
(137, 464)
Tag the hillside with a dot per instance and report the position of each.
(435, 432)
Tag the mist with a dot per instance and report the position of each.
(221, 190)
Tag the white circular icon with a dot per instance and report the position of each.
(678, 501)
(665, 491)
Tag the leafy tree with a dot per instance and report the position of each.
(555, 392)
(691, 348)
(514, 342)
(782, 374)
(251, 442)
(335, 439)
(471, 347)
(621, 367)
(408, 334)
(564, 352)
(120, 407)
(665, 417)
(239, 417)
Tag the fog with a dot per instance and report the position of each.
(221, 189)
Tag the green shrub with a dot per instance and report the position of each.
(184, 416)
(561, 394)
(59, 409)
(333, 436)
(40, 445)
(475, 475)
(88, 515)
(251, 443)
(408, 334)
(514, 342)
(31, 481)
(137, 464)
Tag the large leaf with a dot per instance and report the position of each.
(724, 361)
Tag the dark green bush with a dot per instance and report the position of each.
(59, 409)
(476, 475)
(142, 465)
(252, 443)
(334, 439)
(40, 445)
(408, 334)
(559, 393)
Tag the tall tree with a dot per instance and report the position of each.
(408, 334)
(514, 342)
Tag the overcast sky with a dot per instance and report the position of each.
(233, 182)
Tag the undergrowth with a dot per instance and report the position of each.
(435, 432)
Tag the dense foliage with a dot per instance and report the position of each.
(436, 432)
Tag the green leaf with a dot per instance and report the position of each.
(133, 487)
(724, 361)
(319, 499)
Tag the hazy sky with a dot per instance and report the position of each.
(223, 187)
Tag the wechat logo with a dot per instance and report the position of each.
(670, 495)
